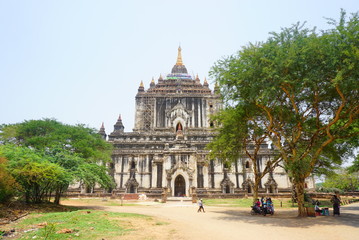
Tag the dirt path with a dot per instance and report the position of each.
(237, 223)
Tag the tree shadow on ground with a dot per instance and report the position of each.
(288, 218)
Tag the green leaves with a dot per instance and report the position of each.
(302, 86)
(35, 173)
(344, 181)
(46, 156)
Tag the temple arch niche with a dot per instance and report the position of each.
(179, 127)
(180, 186)
(248, 186)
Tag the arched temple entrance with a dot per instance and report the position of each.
(180, 186)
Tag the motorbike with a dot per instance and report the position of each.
(268, 209)
(258, 210)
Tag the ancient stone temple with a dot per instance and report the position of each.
(166, 149)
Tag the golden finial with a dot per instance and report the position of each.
(141, 84)
(179, 57)
(153, 81)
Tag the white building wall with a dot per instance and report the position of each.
(205, 177)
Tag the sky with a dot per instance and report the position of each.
(81, 62)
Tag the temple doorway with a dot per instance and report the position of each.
(180, 186)
(179, 127)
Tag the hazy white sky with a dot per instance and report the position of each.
(82, 61)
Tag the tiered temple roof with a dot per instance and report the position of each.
(178, 81)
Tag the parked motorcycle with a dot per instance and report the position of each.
(258, 210)
(268, 210)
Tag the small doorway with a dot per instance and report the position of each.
(180, 186)
(179, 127)
(228, 189)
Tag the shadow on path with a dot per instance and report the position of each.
(288, 218)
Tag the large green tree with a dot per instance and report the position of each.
(46, 156)
(303, 87)
(240, 135)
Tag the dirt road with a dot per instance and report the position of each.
(237, 223)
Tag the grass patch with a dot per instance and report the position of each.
(239, 202)
(103, 202)
(115, 204)
(84, 224)
(161, 223)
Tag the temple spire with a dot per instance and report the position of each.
(205, 82)
(152, 84)
(118, 127)
(102, 131)
(216, 87)
(179, 67)
(141, 88)
(179, 57)
(197, 78)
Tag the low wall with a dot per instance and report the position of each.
(199, 194)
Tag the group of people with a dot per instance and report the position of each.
(267, 203)
(264, 203)
(336, 206)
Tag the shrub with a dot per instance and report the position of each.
(8, 185)
(329, 190)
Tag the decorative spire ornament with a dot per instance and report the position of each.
(179, 57)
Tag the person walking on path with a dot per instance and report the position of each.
(200, 204)
(336, 205)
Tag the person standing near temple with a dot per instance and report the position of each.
(200, 204)
(336, 205)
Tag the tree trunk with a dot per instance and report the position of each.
(299, 187)
(27, 196)
(255, 189)
(57, 196)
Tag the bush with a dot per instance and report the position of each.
(8, 185)
(329, 190)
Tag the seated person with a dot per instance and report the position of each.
(317, 209)
(257, 205)
(269, 204)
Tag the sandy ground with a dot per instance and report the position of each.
(236, 223)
